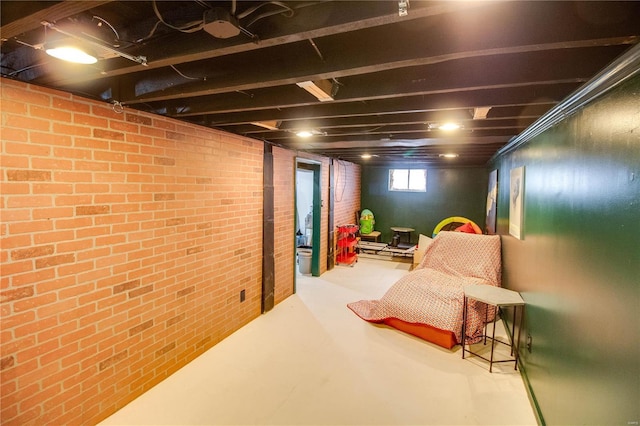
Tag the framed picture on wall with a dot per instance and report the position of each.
(492, 204)
(516, 202)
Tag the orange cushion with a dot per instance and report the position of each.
(443, 338)
(467, 227)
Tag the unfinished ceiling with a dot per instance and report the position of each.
(363, 77)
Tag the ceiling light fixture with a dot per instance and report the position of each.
(321, 89)
(365, 156)
(447, 126)
(307, 133)
(449, 155)
(71, 52)
(142, 60)
(304, 133)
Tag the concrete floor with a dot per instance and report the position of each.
(311, 361)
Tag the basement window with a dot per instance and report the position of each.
(408, 180)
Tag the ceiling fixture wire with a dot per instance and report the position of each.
(108, 24)
(315, 47)
(191, 27)
(186, 76)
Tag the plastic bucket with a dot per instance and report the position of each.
(304, 260)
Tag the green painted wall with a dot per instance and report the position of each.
(450, 192)
(578, 266)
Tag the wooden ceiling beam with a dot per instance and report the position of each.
(53, 13)
(311, 25)
(264, 77)
(516, 96)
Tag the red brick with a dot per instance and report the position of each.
(18, 108)
(91, 210)
(49, 113)
(11, 321)
(126, 286)
(36, 351)
(58, 353)
(124, 147)
(93, 166)
(75, 268)
(51, 329)
(50, 139)
(164, 161)
(33, 226)
(91, 188)
(73, 246)
(33, 302)
(68, 105)
(28, 123)
(16, 294)
(13, 268)
(51, 163)
(72, 176)
(93, 144)
(15, 161)
(72, 200)
(134, 118)
(141, 291)
(76, 290)
(108, 134)
(90, 120)
(121, 356)
(55, 260)
(32, 252)
(28, 175)
(140, 328)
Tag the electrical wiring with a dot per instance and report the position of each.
(108, 24)
(340, 197)
(186, 76)
(191, 27)
(286, 11)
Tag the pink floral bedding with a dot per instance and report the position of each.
(432, 293)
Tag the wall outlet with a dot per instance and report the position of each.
(242, 296)
(529, 342)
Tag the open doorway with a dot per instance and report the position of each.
(308, 204)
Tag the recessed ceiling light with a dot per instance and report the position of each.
(305, 133)
(365, 156)
(449, 155)
(446, 126)
(449, 126)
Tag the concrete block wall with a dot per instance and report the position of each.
(126, 241)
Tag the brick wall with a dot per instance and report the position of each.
(347, 192)
(284, 215)
(126, 240)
